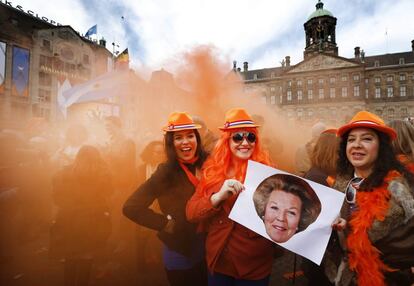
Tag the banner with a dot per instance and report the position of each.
(20, 72)
(2, 66)
(293, 212)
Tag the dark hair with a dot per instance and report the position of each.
(146, 154)
(172, 155)
(386, 161)
(311, 205)
(89, 164)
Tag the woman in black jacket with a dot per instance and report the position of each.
(172, 184)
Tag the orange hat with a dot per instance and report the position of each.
(367, 120)
(178, 121)
(237, 118)
(330, 131)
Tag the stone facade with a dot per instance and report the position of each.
(327, 87)
(56, 54)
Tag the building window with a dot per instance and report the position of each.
(377, 79)
(404, 112)
(300, 112)
(390, 91)
(46, 44)
(401, 61)
(332, 92)
(376, 64)
(300, 94)
(45, 79)
(310, 112)
(310, 94)
(280, 99)
(344, 91)
(86, 59)
(403, 90)
(332, 80)
(299, 83)
(272, 75)
(356, 77)
(289, 83)
(391, 113)
(44, 95)
(367, 81)
(344, 78)
(356, 90)
(321, 81)
(310, 82)
(390, 78)
(273, 99)
(255, 76)
(402, 77)
(377, 92)
(289, 95)
(366, 93)
(272, 89)
(321, 93)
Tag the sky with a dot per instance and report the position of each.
(260, 32)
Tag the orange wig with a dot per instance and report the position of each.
(218, 165)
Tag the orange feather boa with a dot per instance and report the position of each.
(364, 258)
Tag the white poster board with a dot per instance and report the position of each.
(310, 243)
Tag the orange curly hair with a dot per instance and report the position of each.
(218, 165)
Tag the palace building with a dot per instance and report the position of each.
(37, 57)
(328, 87)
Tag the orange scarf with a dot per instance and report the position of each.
(364, 258)
(191, 177)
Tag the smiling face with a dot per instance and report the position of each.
(282, 215)
(362, 150)
(243, 149)
(185, 144)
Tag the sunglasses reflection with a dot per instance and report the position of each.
(238, 137)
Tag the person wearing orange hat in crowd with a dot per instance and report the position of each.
(172, 184)
(235, 255)
(378, 205)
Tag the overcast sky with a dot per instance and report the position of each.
(261, 32)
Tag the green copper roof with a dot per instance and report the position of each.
(320, 11)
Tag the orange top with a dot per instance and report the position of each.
(231, 248)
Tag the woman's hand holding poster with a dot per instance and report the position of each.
(288, 210)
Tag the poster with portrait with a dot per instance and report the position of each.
(293, 212)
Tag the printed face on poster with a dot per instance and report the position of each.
(293, 212)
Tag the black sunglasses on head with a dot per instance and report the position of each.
(238, 137)
(351, 189)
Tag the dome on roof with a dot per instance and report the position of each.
(320, 11)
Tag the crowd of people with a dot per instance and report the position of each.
(162, 218)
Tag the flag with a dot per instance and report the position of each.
(92, 30)
(103, 86)
(122, 60)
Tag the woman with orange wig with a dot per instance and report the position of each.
(235, 255)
